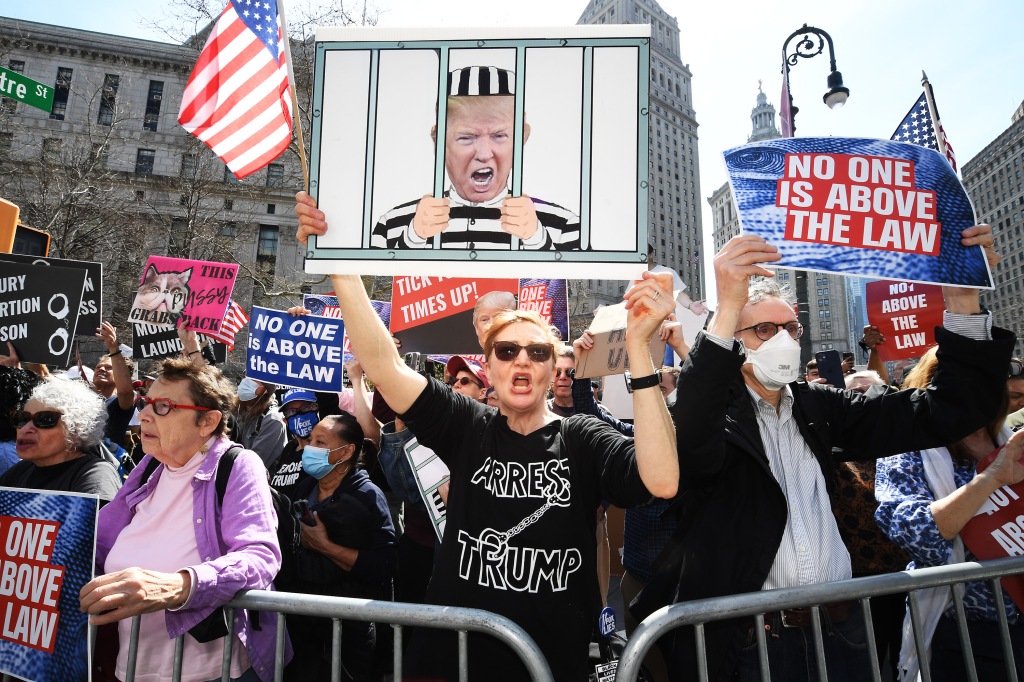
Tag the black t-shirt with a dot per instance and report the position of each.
(287, 472)
(117, 420)
(84, 474)
(540, 490)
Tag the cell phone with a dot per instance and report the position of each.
(301, 510)
(830, 367)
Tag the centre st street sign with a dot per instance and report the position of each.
(22, 89)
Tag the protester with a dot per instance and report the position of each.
(561, 388)
(349, 552)
(57, 438)
(925, 498)
(1015, 393)
(16, 385)
(756, 466)
(112, 379)
(493, 524)
(811, 373)
(299, 408)
(467, 377)
(169, 549)
(259, 425)
(869, 343)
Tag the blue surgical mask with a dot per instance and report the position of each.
(247, 389)
(315, 462)
(302, 424)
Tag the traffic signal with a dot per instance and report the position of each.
(18, 238)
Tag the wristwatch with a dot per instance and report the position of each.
(648, 381)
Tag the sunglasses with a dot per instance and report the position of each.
(559, 371)
(766, 331)
(507, 351)
(162, 406)
(46, 419)
(464, 381)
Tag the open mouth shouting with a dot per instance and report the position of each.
(482, 179)
(522, 383)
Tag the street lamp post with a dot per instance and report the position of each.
(812, 42)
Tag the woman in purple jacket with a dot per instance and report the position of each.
(173, 552)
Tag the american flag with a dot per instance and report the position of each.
(785, 108)
(237, 99)
(235, 318)
(695, 258)
(918, 128)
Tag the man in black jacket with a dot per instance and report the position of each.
(756, 464)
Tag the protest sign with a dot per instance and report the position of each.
(608, 356)
(872, 208)
(435, 314)
(178, 292)
(91, 308)
(47, 546)
(549, 298)
(39, 311)
(155, 341)
(571, 161)
(430, 474)
(326, 305)
(997, 529)
(302, 352)
(906, 314)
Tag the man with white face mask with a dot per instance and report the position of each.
(259, 425)
(757, 468)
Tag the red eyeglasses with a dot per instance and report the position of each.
(162, 406)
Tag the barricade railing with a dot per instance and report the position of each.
(462, 620)
(757, 604)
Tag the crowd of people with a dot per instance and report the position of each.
(738, 475)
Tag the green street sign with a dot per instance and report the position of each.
(22, 89)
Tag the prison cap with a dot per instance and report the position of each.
(481, 80)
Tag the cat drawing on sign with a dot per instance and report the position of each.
(165, 292)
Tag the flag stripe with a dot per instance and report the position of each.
(237, 99)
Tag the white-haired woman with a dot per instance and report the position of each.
(58, 435)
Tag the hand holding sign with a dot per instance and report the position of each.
(735, 264)
(965, 300)
(519, 216)
(1007, 468)
(649, 301)
(11, 359)
(431, 216)
(312, 221)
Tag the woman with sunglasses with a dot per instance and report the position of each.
(58, 436)
(519, 538)
(174, 550)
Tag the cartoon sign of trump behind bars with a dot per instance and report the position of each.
(477, 211)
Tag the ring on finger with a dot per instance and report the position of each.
(656, 295)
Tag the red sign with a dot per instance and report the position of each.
(419, 300)
(868, 202)
(29, 584)
(997, 529)
(906, 314)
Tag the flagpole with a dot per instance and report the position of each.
(933, 110)
(296, 119)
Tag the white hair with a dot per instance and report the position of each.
(871, 375)
(761, 289)
(83, 412)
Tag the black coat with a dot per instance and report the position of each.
(731, 510)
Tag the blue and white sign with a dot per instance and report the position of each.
(303, 352)
(869, 208)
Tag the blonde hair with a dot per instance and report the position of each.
(509, 317)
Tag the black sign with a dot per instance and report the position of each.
(156, 341)
(39, 310)
(91, 310)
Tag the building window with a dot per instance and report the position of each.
(189, 165)
(51, 149)
(271, 209)
(275, 175)
(266, 249)
(61, 90)
(140, 195)
(229, 205)
(227, 230)
(108, 97)
(144, 159)
(6, 142)
(99, 155)
(229, 176)
(156, 94)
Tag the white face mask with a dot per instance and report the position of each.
(777, 362)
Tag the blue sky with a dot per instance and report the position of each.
(971, 51)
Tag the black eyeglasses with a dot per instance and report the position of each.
(47, 419)
(1016, 369)
(463, 381)
(299, 409)
(767, 330)
(507, 351)
(162, 406)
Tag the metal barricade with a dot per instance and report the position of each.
(462, 620)
(756, 604)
